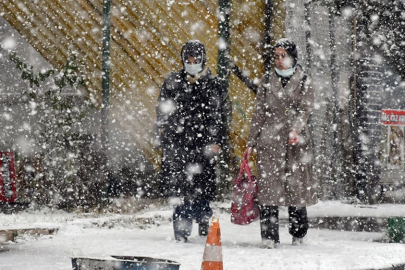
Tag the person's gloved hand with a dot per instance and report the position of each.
(212, 150)
(293, 137)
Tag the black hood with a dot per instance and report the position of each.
(194, 48)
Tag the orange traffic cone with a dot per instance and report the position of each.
(212, 259)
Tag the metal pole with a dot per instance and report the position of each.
(223, 67)
(106, 63)
(353, 106)
(337, 167)
(308, 37)
(224, 42)
(268, 12)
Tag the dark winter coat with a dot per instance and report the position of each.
(285, 175)
(189, 117)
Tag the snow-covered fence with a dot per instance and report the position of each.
(333, 184)
(356, 63)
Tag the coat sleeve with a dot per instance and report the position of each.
(164, 109)
(258, 116)
(304, 107)
(216, 114)
(165, 104)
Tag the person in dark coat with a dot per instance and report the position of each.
(280, 133)
(189, 124)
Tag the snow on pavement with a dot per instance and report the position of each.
(100, 236)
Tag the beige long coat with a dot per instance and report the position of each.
(285, 174)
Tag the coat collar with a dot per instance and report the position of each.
(277, 89)
(193, 80)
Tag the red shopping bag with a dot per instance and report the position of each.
(244, 206)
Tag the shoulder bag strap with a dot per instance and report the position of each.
(243, 167)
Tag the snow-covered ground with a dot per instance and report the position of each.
(149, 233)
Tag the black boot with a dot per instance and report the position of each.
(202, 213)
(182, 222)
(203, 229)
(298, 226)
(269, 226)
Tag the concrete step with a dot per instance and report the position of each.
(10, 235)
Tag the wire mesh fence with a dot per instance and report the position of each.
(314, 20)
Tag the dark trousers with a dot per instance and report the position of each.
(198, 209)
(269, 222)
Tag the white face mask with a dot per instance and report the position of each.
(193, 69)
(286, 72)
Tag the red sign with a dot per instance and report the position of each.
(393, 117)
(7, 177)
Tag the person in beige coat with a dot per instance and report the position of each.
(279, 133)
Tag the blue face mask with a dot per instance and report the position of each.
(286, 72)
